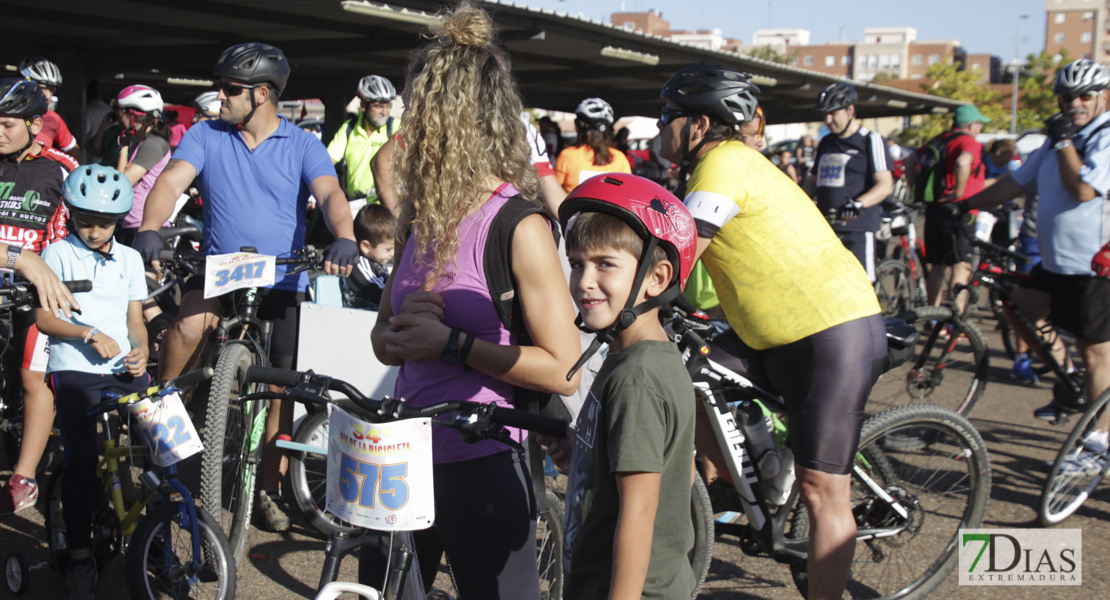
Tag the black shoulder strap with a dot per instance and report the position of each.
(498, 261)
(1088, 138)
(350, 128)
(389, 128)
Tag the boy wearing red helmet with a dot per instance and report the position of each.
(631, 246)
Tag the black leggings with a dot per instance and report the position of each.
(825, 380)
(485, 523)
(74, 394)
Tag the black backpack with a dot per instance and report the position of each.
(342, 166)
(929, 185)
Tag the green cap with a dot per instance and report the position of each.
(968, 114)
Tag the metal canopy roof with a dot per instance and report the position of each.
(558, 59)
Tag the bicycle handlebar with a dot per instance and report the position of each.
(25, 294)
(394, 409)
(991, 247)
(162, 389)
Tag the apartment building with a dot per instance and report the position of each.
(653, 23)
(1080, 27)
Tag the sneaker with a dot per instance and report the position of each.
(1084, 464)
(1023, 370)
(81, 579)
(274, 509)
(1049, 412)
(1097, 441)
(18, 494)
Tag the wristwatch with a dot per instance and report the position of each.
(13, 255)
(451, 354)
(1063, 144)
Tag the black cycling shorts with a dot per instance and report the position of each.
(825, 380)
(1080, 304)
(278, 306)
(943, 245)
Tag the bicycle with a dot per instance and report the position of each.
(900, 280)
(921, 474)
(473, 421)
(176, 548)
(1077, 470)
(233, 428)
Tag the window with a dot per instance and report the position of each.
(884, 61)
(1085, 37)
(1060, 17)
(917, 60)
(896, 61)
(934, 59)
(872, 61)
(809, 60)
(977, 66)
(830, 61)
(1058, 38)
(1089, 16)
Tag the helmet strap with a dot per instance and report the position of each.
(254, 106)
(631, 311)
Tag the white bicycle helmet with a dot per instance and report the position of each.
(1080, 77)
(208, 103)
(142, 98)
(40, 70)
(595, 109)
(375, 88)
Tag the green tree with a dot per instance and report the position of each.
(772, 54)
(1036, 100)
(950, 82)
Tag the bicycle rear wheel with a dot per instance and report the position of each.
(949, 351)
(227, 477)
(1076, 472)
(894, 287)
(701, 555)
(160, 557)
(943, 482)
(309, 473)
(549, 547)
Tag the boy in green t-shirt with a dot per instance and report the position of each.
(628, 530)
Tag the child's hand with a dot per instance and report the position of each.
(104, 345)
(136, 360)
(558, 449)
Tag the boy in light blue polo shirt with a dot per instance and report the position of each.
(103, 347)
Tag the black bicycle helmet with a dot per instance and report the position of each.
(41, 71)
(254, 62)
(722, 93)
(21, 98)
(836, 96)
(1080, 77)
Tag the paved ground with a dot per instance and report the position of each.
(288, 565)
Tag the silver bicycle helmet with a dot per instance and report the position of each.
(1080, 77)
(719, 92)
(595, 109)
(40, 70)
(208, 103)
(375, 88)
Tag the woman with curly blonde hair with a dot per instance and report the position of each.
(464, 155)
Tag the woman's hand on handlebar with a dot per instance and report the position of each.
(558, 449)
(53, 295)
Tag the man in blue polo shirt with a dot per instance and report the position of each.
(255, 171)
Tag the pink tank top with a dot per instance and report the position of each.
(468, 306)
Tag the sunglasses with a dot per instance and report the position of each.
(670, 114)
(233, 89)
(1087, 97)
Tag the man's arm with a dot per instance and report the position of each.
(963, 174)
(332, 203)
(1006, 188)
(881, 188)
(1070, 164)
(382, 168)
(639, 501)
(173, 182)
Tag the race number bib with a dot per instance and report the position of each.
(830, 173)
(380, 474)
(166, 428)
(224, 273)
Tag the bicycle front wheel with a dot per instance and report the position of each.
(1077, 470)
(701, 510)
(309, 474)
(160, 560)
(894, 287)
(549, 547)
(227, 477)
(949, 351)
(943, 484)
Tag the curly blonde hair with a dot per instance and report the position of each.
(462, 125)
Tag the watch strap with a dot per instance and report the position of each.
(465, 352)
(13, 255)
(1063, 144)
(450, 354)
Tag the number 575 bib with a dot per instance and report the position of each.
(380, 474)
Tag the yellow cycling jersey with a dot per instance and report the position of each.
(354, 143)
(780, 272)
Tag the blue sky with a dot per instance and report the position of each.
(979, 25)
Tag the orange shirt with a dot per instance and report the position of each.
(576, 164)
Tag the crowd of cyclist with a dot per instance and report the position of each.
(796, 292)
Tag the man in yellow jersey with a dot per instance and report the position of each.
(358, 140)
(790, 290)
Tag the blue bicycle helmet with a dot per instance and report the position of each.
(98, 191)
